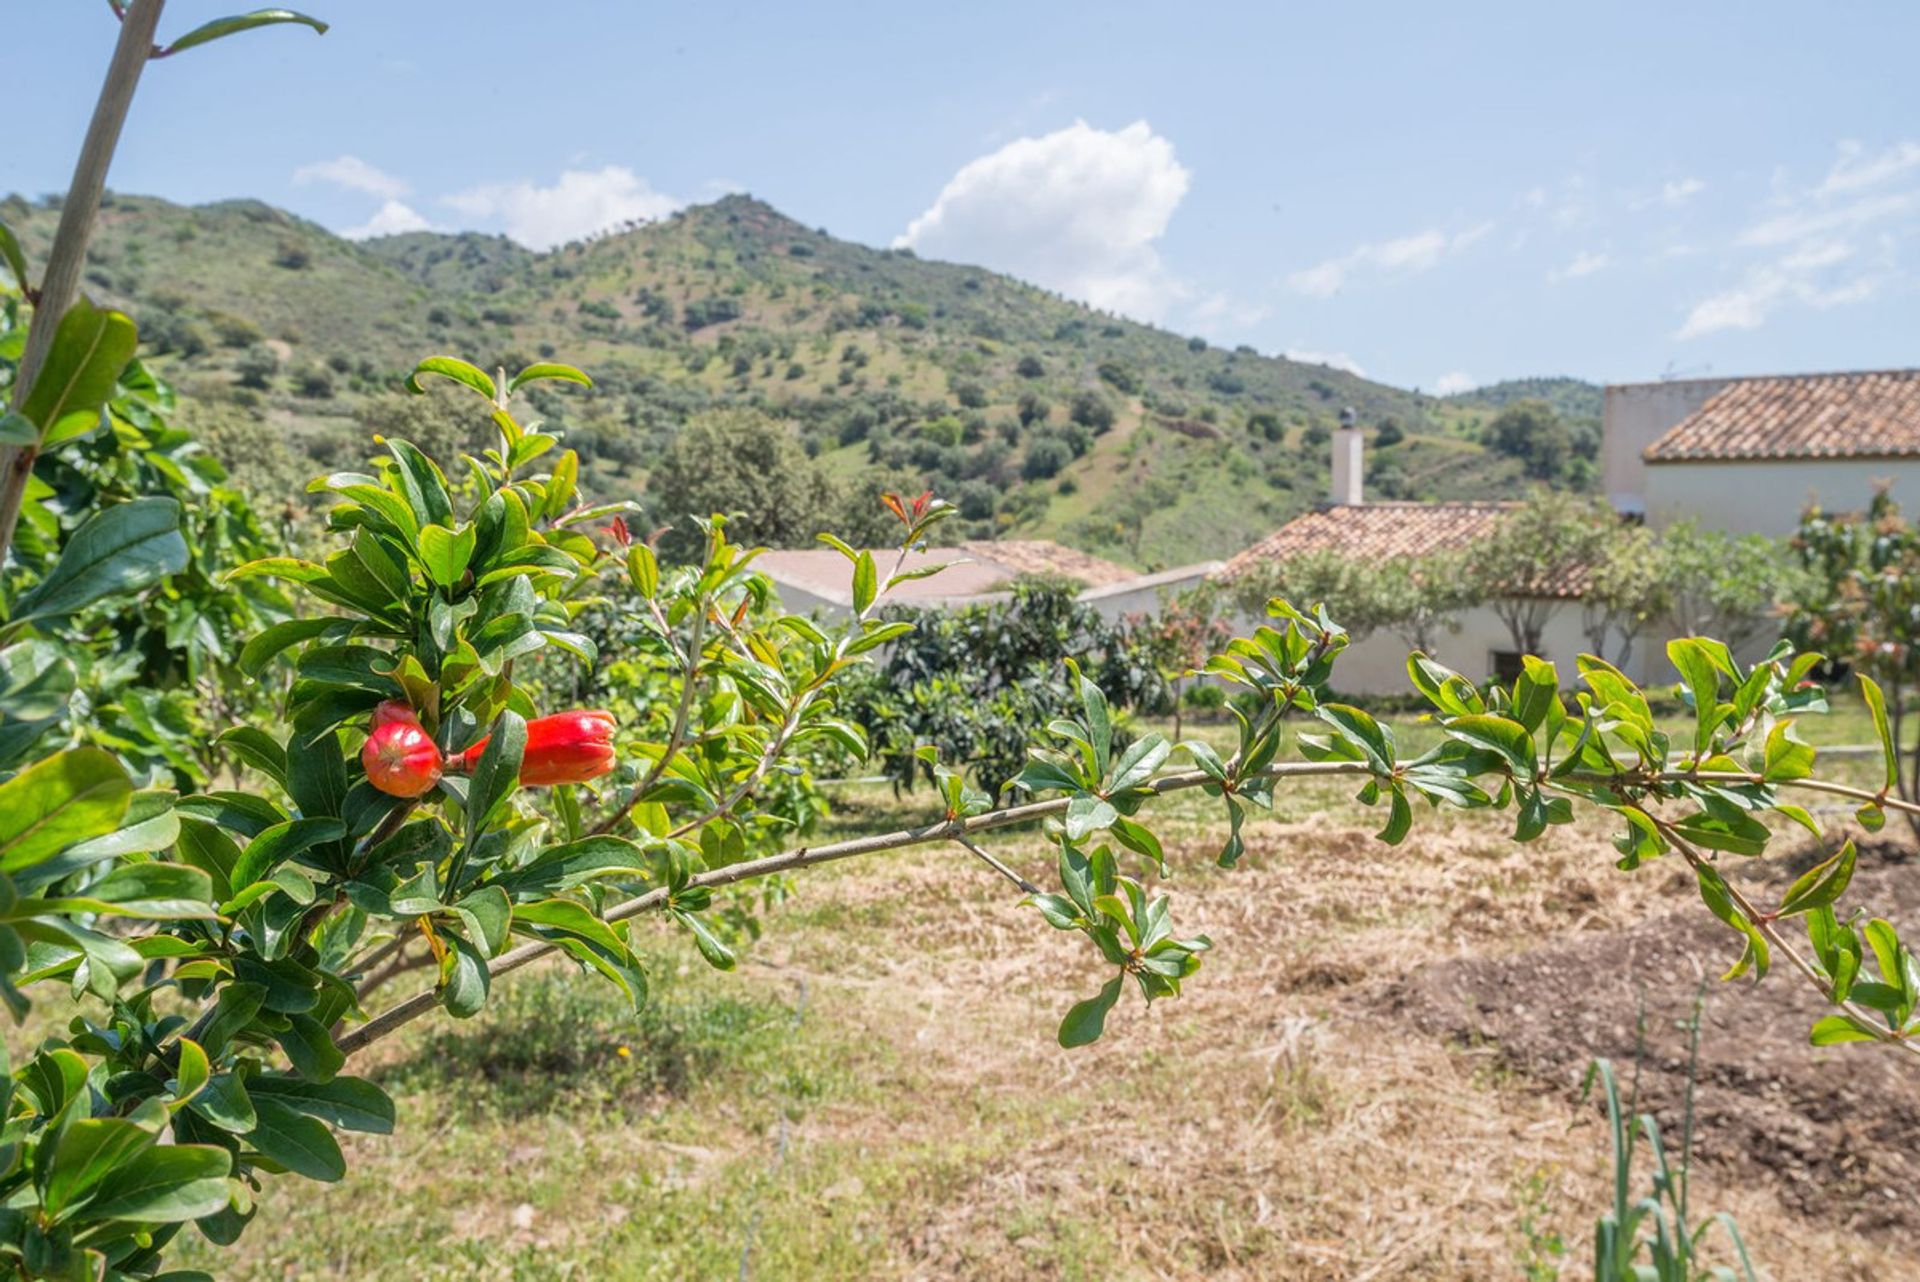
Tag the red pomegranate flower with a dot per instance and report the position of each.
(567, 747)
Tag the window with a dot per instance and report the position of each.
(1506, 666)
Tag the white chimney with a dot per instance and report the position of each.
(1349, 460)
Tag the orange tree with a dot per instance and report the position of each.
(422, 804)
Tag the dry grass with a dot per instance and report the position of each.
(877, 1093)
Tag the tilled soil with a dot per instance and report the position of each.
(1833, 1131)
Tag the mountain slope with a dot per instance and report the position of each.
(1038, 415)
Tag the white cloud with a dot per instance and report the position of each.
(580, 203)
(392, 218)
(1078, 210)
(1766, 289)
(1804, 235)
(1452, 383)
(1856, 169)
(1585, 263)
(354, 174)
(1409, 255)
(1680, 191)
(1222, 307)
(1334, 360)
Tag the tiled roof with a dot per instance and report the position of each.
(1872, 415)
(1385, 531)
(983, 568)
(1043, 556)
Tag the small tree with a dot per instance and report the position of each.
(1419, 598)
(1728, 586)
(1859, 603)
(1522, 568)
(257, 367)
(1181, 638)
(1627, 587)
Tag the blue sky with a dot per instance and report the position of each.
(1434, 194)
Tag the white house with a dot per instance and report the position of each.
(1747, 455)
(1377, 664)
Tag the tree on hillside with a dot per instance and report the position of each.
(747, 465)
(1554, 449)
(1519, 568)
(1532, 432)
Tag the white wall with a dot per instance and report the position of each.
(1637, 415)
(1378, 664)
(1146, 594)
(1766, 496)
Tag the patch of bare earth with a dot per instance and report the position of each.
(1830, 1130)
(1316, 1106)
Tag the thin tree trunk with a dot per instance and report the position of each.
(68, 260)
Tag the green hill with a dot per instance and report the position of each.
(1571, 397)
(1039, 416)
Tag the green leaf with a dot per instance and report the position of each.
(118, 550)
(220, 27)
(86, 1153)
(547, 370)
(280, 843)
(1821, 884)
(563, 867)
(488, 915)
(1399, 817)
(445, 553)
(69, 797)
(351, 1103)
(1088, 1019)
(12, 258)
(456, 369)
(165, 1185)
(1509, 739)
(1889, 750)
(296, 1141)
(1736, 833)
(310, 1048)
(1444, 688)
(464, 979)
(1358, 728)
(1535, 692)
(150, 890)
(225, 1103)
(712, 948)
(17, 429)
(1787, 757)
(1702, 679)
(866, 583)
(90, 348)
(497, 774)
(265, 645)
(1834, 1029)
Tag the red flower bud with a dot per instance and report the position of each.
(567, 747)
(401, 758)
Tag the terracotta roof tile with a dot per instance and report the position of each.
(1385, 531)
(1043, 556)
(1871, 415)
